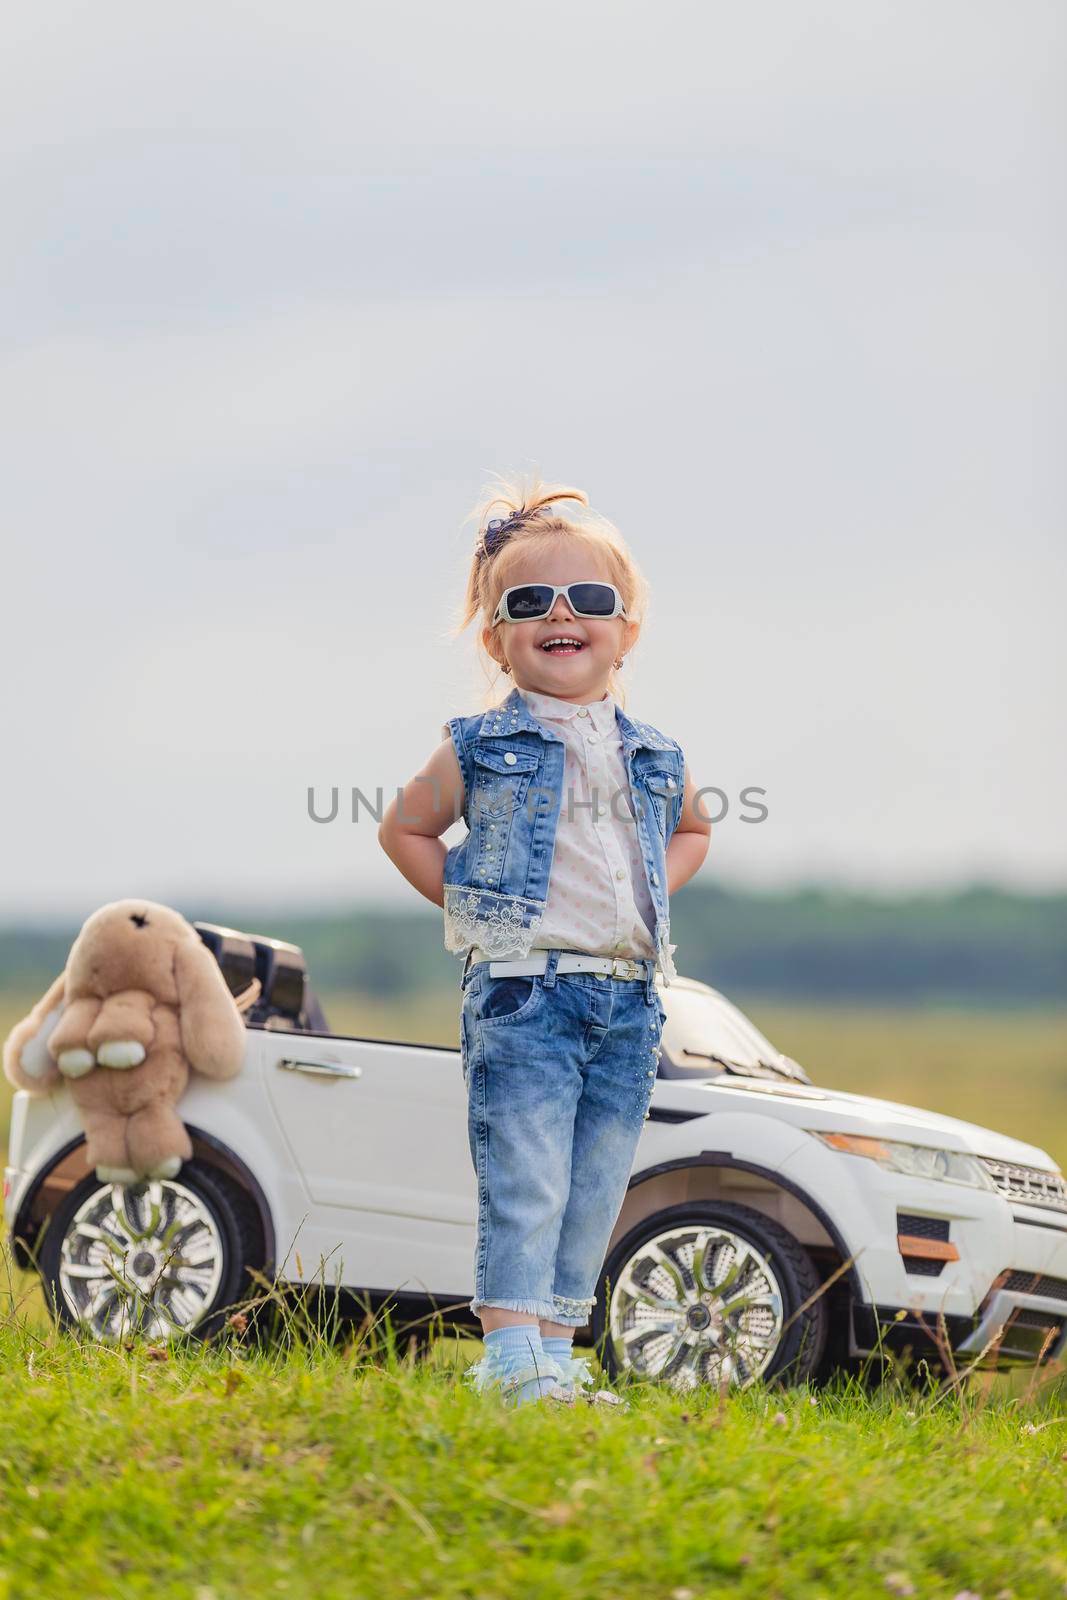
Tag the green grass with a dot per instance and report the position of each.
(346, 1470)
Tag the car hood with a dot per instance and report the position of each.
(833, 1110)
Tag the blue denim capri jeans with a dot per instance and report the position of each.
(559, 1069)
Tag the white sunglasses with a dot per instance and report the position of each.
(526, 602)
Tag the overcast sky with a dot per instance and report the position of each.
(781, 286)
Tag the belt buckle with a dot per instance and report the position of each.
(629, 965)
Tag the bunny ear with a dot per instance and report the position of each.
(27, 1063)
(213, 1035)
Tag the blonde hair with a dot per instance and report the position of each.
(539, 513)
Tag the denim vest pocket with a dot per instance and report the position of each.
(663, 791)
(501, 779)
(496, 818)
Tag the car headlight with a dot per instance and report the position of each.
(917, 1160)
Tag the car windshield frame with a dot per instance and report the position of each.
(754, 1056)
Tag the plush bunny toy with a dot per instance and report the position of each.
(140, 1002)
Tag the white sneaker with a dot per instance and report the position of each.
(580, 1384)
(604, 1397)
(567, 1396)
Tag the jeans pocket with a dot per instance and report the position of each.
(507, 999)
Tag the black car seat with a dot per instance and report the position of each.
(285, 1000)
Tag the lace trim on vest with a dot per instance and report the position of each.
(666, 961)
(501, 924)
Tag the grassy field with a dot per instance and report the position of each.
(345, 1470)
(348, 1472)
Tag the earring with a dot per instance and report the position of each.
(618, 663)
(504, 667)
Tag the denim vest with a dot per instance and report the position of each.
(496, 878)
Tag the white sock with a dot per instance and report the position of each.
(516, 1349)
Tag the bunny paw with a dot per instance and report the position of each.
(116, 1175)
(35, 1060)
(169, 1168)
(75, 1063)
(121, 1054)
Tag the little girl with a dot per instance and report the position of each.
(580, 823)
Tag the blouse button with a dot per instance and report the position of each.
(620, 873)
(582, 712)
(511, 758)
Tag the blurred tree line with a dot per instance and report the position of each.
(981, 945)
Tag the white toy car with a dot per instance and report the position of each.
(346, 1161)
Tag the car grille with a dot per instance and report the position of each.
(1034, 1319)
(922, 1227)
(913, 1226)
(1035, 1283)
(1030, 1186)
(1031, 1335)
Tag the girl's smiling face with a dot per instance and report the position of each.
(578, 671)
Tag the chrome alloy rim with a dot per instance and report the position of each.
(696, 1304)
(145, 1257)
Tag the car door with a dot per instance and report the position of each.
(378, 1132)
(374, 1125)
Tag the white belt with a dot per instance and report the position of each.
(569, 961)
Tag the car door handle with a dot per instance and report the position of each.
(322, 1069)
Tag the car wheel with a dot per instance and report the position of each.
(162, 1258)
(710, 1293)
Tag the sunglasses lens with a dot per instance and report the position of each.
(531, 600)
(592, 599)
